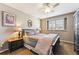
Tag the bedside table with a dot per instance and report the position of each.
(15, 44)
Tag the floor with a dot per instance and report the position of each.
(64, 49)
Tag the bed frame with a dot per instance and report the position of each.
(56, 46)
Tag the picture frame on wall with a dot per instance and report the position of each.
(8, 19)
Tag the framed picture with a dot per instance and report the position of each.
(8, 19)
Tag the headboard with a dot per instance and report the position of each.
(30, 31)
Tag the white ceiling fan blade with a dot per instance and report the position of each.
(56, 5)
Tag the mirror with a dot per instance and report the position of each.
(29, 23)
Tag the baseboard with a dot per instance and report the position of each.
(67, 41)
(3, 50)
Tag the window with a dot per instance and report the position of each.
(56, 24)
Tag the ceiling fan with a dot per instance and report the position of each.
(48, 7)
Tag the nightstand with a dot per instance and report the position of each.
(15, 44)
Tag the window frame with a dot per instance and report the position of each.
(65, 24)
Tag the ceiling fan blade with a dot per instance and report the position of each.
(56, 5)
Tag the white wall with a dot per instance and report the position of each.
(68, 34)
(35, 23)
(21, 20)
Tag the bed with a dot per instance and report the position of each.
(42, 44)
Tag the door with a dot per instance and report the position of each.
(77, 33)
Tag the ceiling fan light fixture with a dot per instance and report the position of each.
(48, 7)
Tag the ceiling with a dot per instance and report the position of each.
(34, 9)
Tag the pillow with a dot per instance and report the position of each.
(31, 32)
